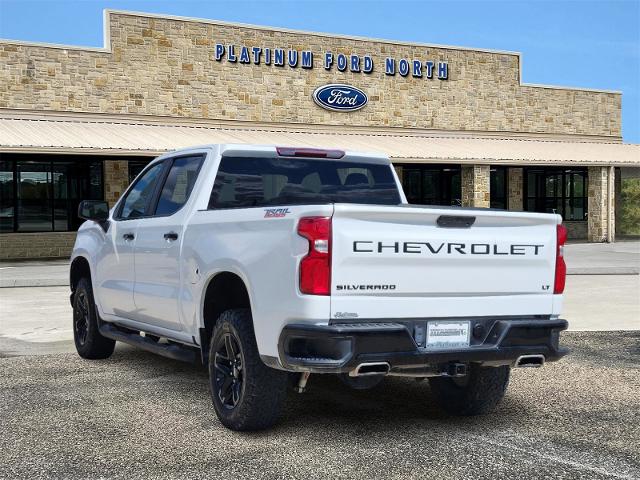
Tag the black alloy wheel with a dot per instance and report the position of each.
(247, 395)
(81, 317)
(229, 375)
(86, 332)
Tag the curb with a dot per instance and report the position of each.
(26, 282)
(603, 271)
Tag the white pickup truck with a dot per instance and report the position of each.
(271, 263)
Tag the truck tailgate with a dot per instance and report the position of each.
(427, 262)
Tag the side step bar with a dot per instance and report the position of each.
(169, 350)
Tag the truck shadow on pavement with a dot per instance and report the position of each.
(327, 400)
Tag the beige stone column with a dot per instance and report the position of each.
(515, 187)
(116, 179)
(601, 205)
(475, 186)
(618, 200)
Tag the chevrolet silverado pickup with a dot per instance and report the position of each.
(269, 264)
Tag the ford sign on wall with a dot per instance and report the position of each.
(340, 98)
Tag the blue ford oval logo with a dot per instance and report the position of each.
(340, 98)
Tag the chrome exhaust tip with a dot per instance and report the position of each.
(532, 361)
(373, 368)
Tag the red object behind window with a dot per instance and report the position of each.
(315, 267)
(561, 267)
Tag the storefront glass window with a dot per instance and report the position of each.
(41, 193)
(557, 190)
(34, 197)
(135, 167)
(498, 187)
(7, 199)
(432, 184)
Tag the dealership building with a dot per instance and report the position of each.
(459, 124)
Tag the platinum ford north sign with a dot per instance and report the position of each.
(280, 57)
(340, 98)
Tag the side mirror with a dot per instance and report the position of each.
(96, 210)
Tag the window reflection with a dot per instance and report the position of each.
(498, 187)
(41, 193)
(34, 197)
(432, 184)
(557, 190)
(7, 190)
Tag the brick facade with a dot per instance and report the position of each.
(600, 216)
(116, 180)
(18, 246)
(162, 66)
(166, 67)
(475, 186)
(515, 189)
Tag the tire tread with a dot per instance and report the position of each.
(265, 388)
(96, 347)
(485, 389)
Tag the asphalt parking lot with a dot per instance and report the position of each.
(141, 416)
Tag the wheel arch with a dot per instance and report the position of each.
(80, 268)
(224, 290)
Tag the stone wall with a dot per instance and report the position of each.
(116, 180)
(167, 67)
(515, 187)
(576, 230)
(18, 246)
(475, 186)
(598, 205)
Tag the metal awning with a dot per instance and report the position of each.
(93, 135)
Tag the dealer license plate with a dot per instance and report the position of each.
(447, 334)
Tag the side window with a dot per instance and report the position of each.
(137, 200)
(180, 181)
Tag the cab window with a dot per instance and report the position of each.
(137, 202)
(178, 185)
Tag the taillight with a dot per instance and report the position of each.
(561, 267)
(315, 267)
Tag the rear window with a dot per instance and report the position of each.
(256, 182)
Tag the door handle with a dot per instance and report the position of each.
(128, 236)
(171, 236)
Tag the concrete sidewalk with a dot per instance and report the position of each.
(36, 273)
(621, 258)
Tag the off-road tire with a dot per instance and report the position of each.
(481, 390)
(86, 336)
(263, 390)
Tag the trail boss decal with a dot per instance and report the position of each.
(276, 212)
(443, 248)
(340, 98)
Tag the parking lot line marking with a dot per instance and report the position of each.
(557, 459)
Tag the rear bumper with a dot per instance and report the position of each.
(339, 348)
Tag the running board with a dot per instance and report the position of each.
(169, 350)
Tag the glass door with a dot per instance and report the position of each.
(7, 197)
(432, 184)
(34, 197)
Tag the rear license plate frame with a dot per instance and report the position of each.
(437, 339)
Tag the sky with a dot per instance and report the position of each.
(577, 43)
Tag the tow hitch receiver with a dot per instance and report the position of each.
(453, 370)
